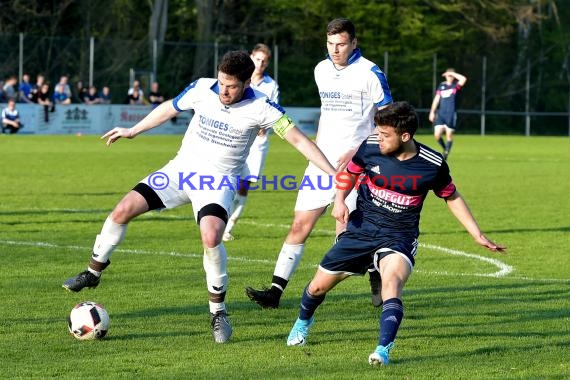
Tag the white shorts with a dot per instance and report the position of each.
(446, 128)
(323, 193)
(255, 161)
(176, 187)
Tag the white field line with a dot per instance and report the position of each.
(503, 269)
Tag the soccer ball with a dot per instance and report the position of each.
(88, 320)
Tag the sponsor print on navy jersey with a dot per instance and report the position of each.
(391, 190)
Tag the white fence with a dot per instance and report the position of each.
(98, 119)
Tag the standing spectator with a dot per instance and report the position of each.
(9, 88)
(154, 96)
(25, 89)
(11, 118)
(136, 86)
(442, 113)
(81, 91)
(135, 97)
(42, 98)
(105, 95)
(40, 79)
(91, 97)
(62, 92)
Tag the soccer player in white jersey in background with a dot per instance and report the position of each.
(227, 117)
(262, 82)
(351, 89)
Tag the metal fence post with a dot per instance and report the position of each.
(527, 100)
(276, 62)
(216, 59)
(91, 59)
(434, 76)
(483, 94)
(154, 59)
(21, 58)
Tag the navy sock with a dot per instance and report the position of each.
(309, 304)
(392, 315)
(440, 142)
(448, 145)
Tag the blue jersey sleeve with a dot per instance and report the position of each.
(443, 185)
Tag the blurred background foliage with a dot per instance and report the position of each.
(414, 41)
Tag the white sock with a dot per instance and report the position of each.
(215, 260)
(112, 234)
(237, 210)
(288, 260)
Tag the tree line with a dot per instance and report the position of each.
(514, 36)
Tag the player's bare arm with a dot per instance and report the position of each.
(461, 79)
(345, 183)
(434, 105)
(11, 122)
(165, 111)
(309, 149)
(461, 211)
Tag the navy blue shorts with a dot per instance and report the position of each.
(448, 120)
(354, 252)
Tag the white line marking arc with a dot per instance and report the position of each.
(503, 271)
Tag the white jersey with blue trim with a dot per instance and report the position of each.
(219, 136)
(349, 99)
(269, 87)
(9, 114)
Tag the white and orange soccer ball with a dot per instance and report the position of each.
(88, 320)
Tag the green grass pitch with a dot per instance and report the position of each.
(469, 313)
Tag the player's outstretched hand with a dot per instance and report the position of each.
(482, 240)
(116, 133)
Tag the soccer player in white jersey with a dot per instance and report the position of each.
(351, 89)
(227, 117)
(255, 162)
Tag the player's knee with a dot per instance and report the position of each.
(211, 231)
(392, 287)
(123, 212)
(300, 230)
(315, 290)
(211, 238)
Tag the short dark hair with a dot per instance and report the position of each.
(237, 63)
(339, 25)
(400, 115)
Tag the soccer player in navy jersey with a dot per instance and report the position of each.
(393, 174)
(442, 113)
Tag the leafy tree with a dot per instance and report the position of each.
(409, 33)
